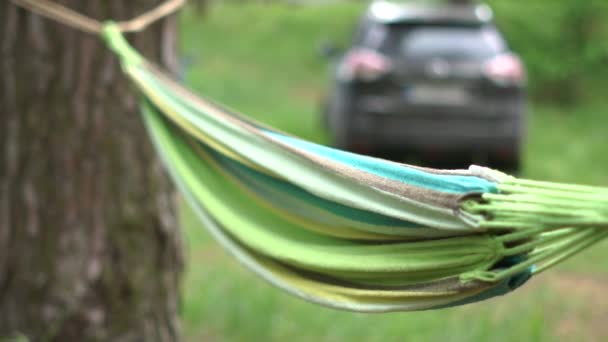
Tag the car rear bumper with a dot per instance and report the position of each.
(453, 131)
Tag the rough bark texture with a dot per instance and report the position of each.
(89, 246)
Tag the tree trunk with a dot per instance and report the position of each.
(89, 245)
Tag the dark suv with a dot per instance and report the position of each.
(429, 78)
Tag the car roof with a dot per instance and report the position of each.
(390, 12)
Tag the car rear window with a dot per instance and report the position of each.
(444, 41)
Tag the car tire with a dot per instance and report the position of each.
(324, 117)
(340, 121)
(510, 166)
(506, 162)
(508, 159)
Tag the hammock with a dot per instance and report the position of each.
(354, 232)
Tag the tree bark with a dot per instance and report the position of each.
(89, 245)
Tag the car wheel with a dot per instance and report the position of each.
(324, 117)
(340, 122)
(506, 162)
(508, 158)
(343, 136)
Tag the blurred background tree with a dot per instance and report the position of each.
(562, 43)
(89, 245)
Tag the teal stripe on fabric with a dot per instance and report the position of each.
(338, 209)
(399, 172)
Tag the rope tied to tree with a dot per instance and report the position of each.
(79, 21)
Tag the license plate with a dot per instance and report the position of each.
(437, 94)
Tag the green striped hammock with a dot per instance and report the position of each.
(354, 232)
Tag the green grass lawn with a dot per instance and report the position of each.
(262, 60)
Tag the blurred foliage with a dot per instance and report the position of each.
(563, 43)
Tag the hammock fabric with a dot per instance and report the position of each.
(355, 232)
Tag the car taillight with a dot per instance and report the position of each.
(365, 65)
(505, 70)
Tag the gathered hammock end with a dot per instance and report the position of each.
(355, 232)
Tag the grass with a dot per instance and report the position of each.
(262, 60)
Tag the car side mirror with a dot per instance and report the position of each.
(328, 49)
